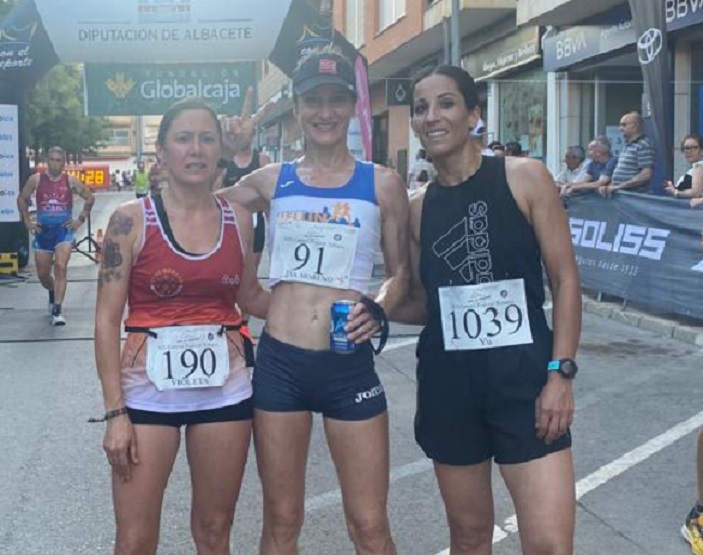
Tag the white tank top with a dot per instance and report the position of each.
(353, 205)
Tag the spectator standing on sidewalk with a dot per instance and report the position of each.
(690, 184)
(635, 165)
(575, 169)
(421, 163)
(514, 148)
(598, 171)
(141, 180)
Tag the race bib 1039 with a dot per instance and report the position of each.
(484, 316)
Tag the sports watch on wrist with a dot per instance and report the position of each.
(566, 367)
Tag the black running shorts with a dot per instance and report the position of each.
(231, 413)
(476, 405)
(340, 386)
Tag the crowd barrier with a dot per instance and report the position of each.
(641, 248)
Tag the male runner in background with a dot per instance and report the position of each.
(54, 227)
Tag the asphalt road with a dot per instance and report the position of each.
(634, 444)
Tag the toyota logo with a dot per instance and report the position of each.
(649, 45)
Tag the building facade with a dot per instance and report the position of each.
(400, 38)
(593, 74)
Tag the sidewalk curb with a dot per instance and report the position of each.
(667, 327)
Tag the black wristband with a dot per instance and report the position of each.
(109, 415)
(376, 310)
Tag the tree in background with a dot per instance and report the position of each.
(56, 115)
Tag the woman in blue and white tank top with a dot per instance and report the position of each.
(329, 215)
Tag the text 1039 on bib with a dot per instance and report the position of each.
(484, 316)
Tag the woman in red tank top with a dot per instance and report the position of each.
(181, 260)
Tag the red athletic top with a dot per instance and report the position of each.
(54, 200)
(168, 287)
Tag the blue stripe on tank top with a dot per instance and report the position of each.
(289, 184)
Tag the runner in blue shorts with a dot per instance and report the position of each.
(329, 214)
(54, 226)
(494, 381)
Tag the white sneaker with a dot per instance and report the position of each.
(58, 320)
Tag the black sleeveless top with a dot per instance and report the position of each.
(234, 173)
(475, 233)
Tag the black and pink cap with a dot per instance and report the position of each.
(324, 69)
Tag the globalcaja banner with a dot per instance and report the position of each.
(9, 163)
(139, 90)
(640, 248)
(162, 31)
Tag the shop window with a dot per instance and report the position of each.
(354, 22)
(389, 11)
(117, 137)
(523, 100)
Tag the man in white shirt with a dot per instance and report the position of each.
(575, 170)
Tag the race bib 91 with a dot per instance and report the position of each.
(484, 316)
(313, 252)
(187, 357)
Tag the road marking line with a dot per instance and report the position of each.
(334, 497)
(397, 345)
(613, 469)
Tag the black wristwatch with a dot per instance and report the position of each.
(566, 367)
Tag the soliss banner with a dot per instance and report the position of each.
(641, 248)
(141, 90)
(162, 31)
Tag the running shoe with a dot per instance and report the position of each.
(692, 531)
(58, 320)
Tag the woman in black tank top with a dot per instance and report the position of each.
(480, 232)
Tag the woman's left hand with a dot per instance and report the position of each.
(554, 408)
(361, 325)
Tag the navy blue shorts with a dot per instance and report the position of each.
(231, 413)
(52, 236)
(339, 386)
(476, 405)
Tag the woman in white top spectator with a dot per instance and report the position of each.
(690, 184)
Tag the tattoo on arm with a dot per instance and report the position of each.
(110, 270)
(120, 224)
(112, 259)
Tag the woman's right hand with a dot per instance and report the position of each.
(120, 445)
(669, 188)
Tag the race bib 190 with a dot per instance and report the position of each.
(312, 252)
(484, 316)
(187, 357)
